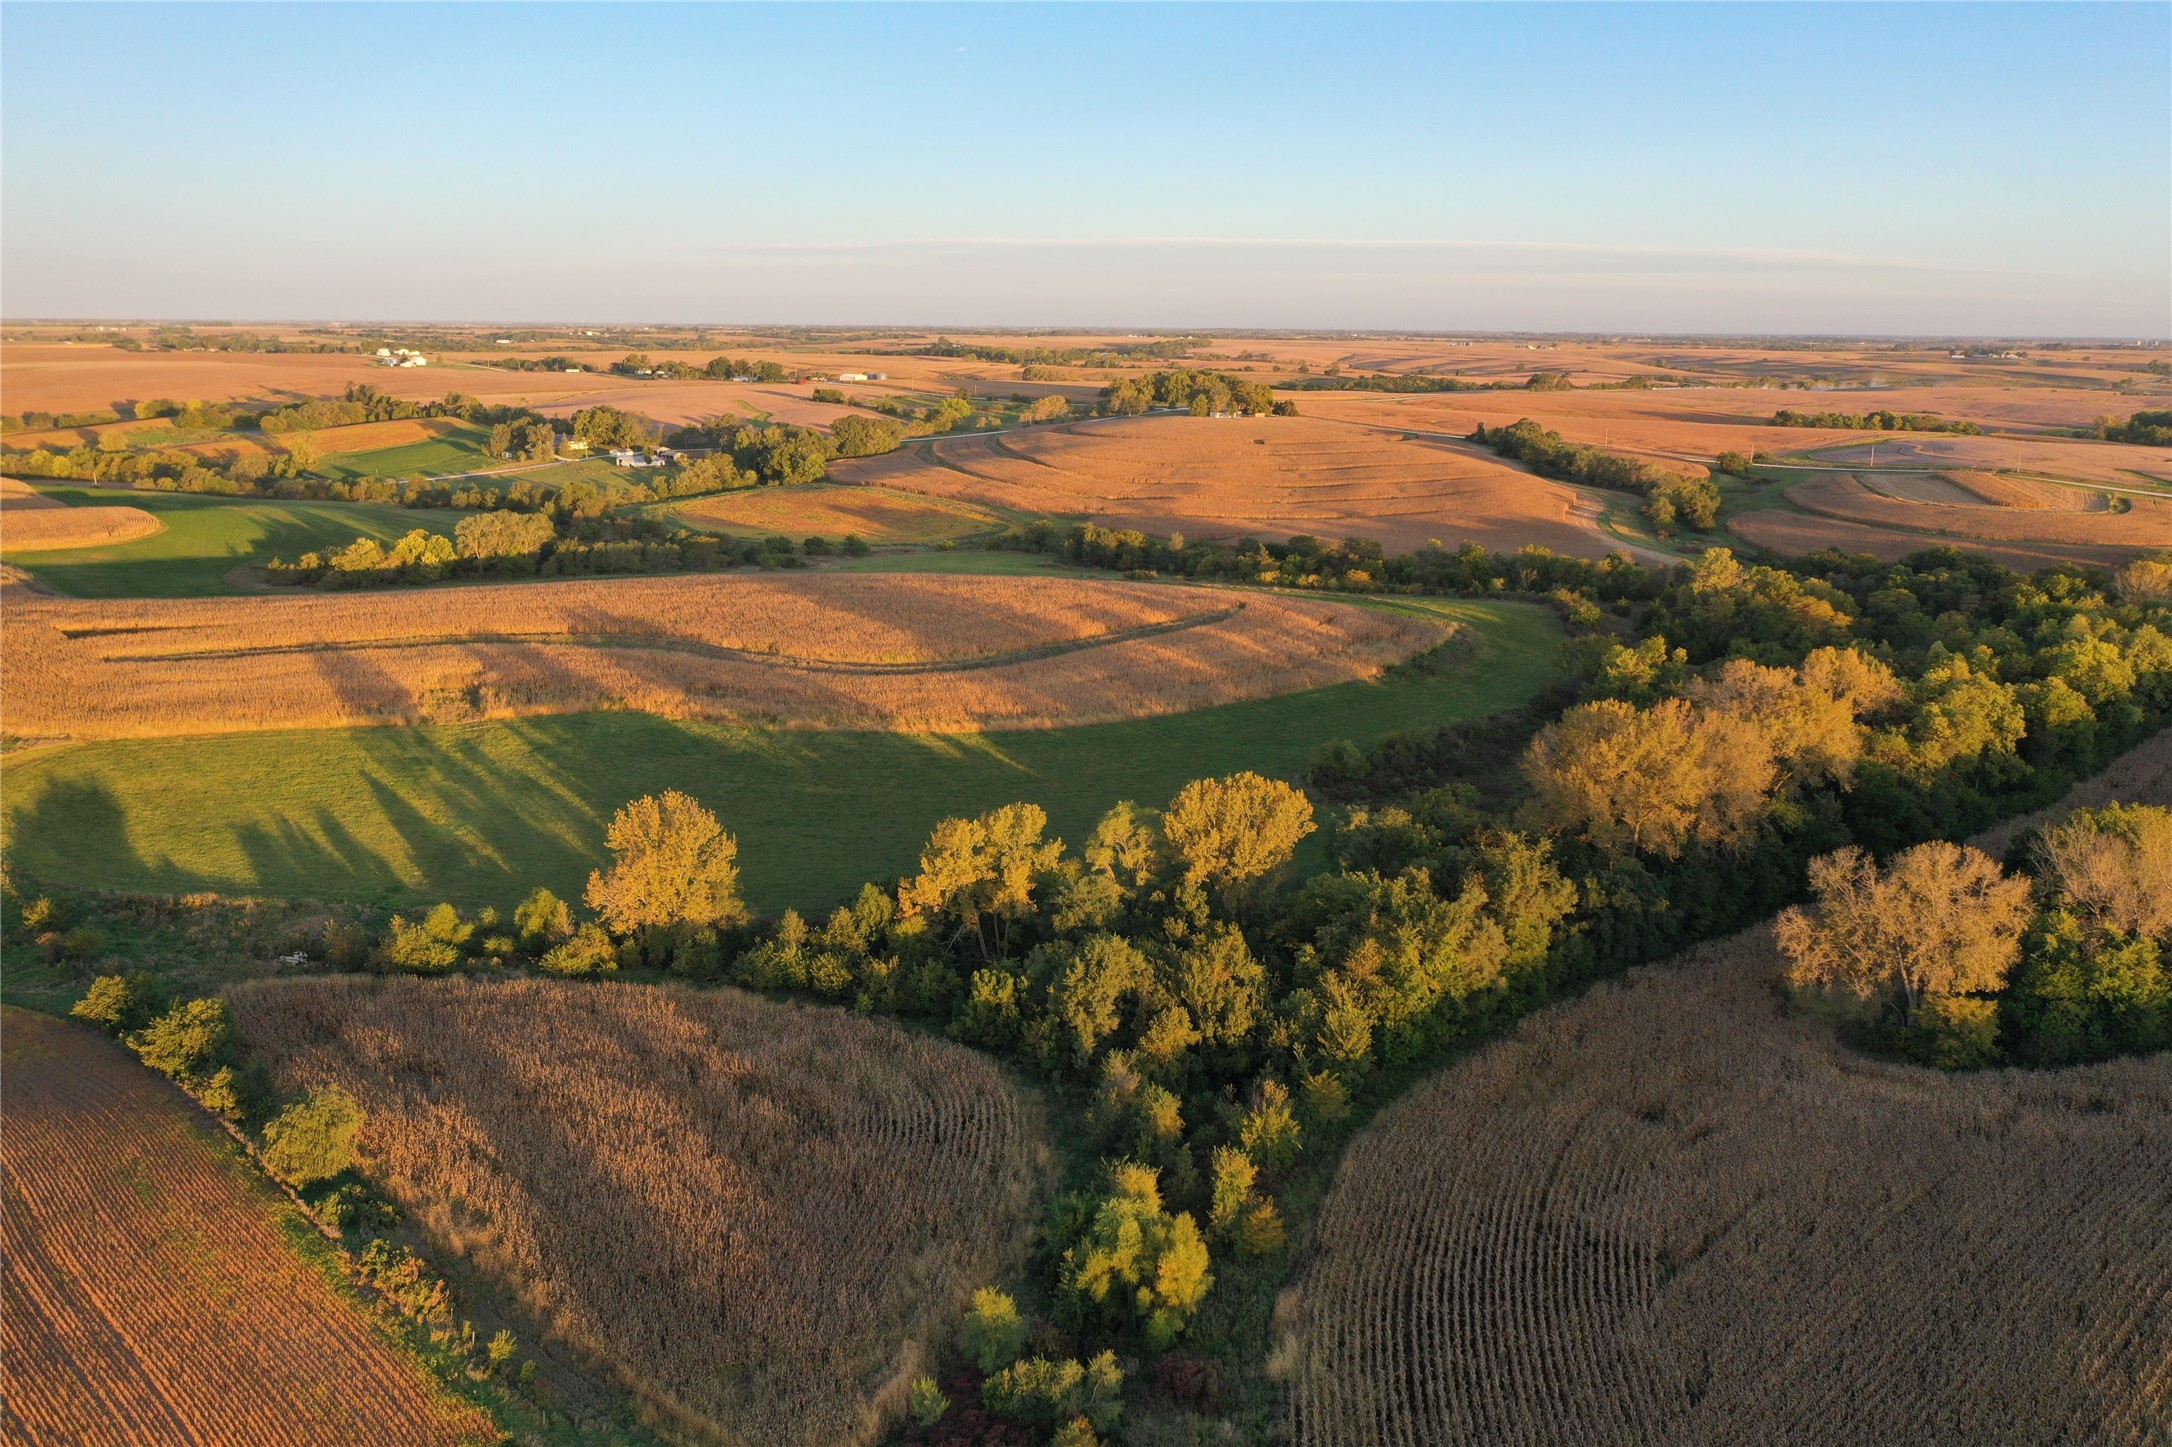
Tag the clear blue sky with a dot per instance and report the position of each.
(1833, 168)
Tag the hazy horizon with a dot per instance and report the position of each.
(1861, 171)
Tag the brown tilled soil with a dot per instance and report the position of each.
(151, 1298)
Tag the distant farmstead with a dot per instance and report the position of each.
(863, 376)
(400, 357)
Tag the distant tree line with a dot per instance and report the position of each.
(1116, 353)
(1878, 421)
(1670, 497)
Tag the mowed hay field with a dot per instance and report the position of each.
(760, 1216)
(151, 1296)
(894, 651)
(1677, 1211)
(32, 522)
(875, 514)
(1265, 477)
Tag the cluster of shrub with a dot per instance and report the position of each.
(511, 544)
(308, 1145)
(1200, 393)
(1878, 421)
(1669, 497)
(2149, 429)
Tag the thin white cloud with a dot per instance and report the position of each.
(1756, 255)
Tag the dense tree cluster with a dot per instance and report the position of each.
(1878, 421)
(1200, 393)
(1669, 496)
(2149, 429)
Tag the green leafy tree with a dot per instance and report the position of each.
(313, 1140)
(672, 865)
(1231, 831)
(186, 1041)
(995, 1334)
(111, 1003)
(981, 873)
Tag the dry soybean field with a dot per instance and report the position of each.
(755, 1214)
(1674, 1211)
(1265, 477)
(879, 651)
(150, 1297)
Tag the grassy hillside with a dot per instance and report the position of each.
(206, 538)
(460, 450)
(478, 813)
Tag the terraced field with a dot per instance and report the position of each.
(761, 1217)
(1248, 477)
(897, 651)
(151, 1297)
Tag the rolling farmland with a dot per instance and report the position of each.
(835, 651)
(1677, 1211)
(680, 1181)
(1249, 477)
(151, 1296)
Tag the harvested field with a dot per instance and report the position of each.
(877, 514)
(2146, 522)
(760, 1216)
(2024, 493)
(915, 652)
(151, 1297)
(2118, 463)
(1792, 534)
(1249, 477)
(34, 523)
(1675, 1211)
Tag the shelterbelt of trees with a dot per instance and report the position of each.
(1736, 739)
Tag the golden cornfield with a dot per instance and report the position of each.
(2147, 523)
(757, 1216)
(150, 1298)
(1676, 1211)
(840, 650)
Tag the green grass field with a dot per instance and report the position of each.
(481, 813)
(206, 538)
(461, 450)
